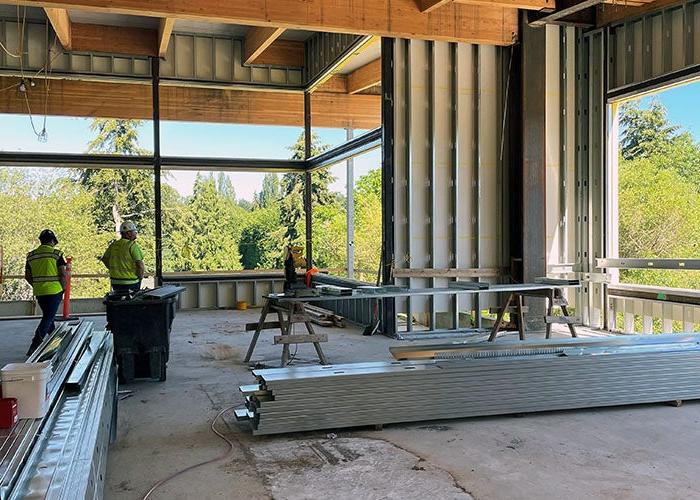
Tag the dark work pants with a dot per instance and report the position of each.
(49, 305)
(127, 288)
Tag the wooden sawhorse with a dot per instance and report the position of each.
(554, 299)
(288, 313)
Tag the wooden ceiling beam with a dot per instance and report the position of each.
(283, 53)
(257, 40)
(485, 23)
(365, 77)
(335, 84)
(429, 5)
(60, 22)
(133, 101)
(165, 29)
(114, 39)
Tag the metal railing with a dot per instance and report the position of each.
(634, 308)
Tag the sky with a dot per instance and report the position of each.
(71, 135)
(681, 102)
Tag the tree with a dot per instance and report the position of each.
(216, 225)
(659, 194)
(292, 209)
(48, 202)
(270, 192)
(119, 194)
(225, 187)
(645, 131)
(259, 246)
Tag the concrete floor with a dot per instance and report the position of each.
(647, 451)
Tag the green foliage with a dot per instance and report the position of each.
(270, 192)
(209, 230)
(61, 206)
(645, 132)
(292, 207)
(120, 194)
(659, 195)
(260, 247)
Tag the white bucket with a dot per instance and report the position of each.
(26, 382)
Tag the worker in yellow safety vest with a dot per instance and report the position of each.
(46, 272)
(124, 259)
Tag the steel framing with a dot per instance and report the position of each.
(474, 380)
(653, 50)
(447, 189)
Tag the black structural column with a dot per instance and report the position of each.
(155, 74)
(534, 228)
(307, 179)
(387, 257)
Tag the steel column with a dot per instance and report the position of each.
(534, 232)
(476, 186)
(350, 210)
(430, 143)
(155, 95)
(308, 138)
(387, 257)
(454, 104)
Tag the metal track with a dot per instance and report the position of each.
(63, 455)
(486, 380)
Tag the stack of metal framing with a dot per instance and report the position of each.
(475, 379)
(64, 454)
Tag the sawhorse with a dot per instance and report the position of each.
(288, 313)
(554, 298)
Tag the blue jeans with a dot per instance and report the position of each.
(49, 305)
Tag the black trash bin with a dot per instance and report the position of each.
(140, 323)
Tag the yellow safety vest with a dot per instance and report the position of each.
(43, 263)
(121, 256)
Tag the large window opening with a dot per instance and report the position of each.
(657, 232)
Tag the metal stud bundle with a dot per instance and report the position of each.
(475, 379)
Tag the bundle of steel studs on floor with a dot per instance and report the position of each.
(64, 454)
(458, 380)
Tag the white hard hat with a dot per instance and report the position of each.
(127, 226)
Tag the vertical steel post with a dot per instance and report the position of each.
(534, 202)
(155, 96)
(350, 210)
(388, 305)
(407, 119)
(307, 180)
(476, 249)
(454, 103)
(431, 174)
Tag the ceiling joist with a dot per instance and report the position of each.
(288, 53)
(365, 77)
(486, 23)
(165, 29)
(257, 40)
(426, 6)
(60, 22)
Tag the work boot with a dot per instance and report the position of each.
(36, 342)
